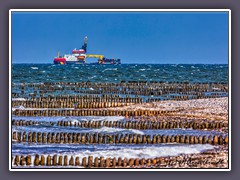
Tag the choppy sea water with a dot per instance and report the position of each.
(106, 150)
(38, 73)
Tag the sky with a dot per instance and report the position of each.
(134, 37)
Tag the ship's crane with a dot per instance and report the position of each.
(84, 46)
(95, 56)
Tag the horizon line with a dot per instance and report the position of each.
(128, 63)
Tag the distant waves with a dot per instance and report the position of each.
(37, 73)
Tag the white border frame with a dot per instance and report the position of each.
(117, 10)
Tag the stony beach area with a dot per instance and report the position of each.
(211, 109)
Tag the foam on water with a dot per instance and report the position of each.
(76, 118)
(42, 108)
(128, 151)
(18, 99)
(18, 107)
(115, 130)
(149, 152)
(48, 128)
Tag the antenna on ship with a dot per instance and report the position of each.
(58, 54)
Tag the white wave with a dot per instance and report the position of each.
(107, 129)
(92, 77)
(18, 99)
(73, 118)
(34, 67)
(113, 130)
(142, 69)
(144, 151)
(110, 69)
(73, 121)
(18, 107)
(149, 152)
(113, 118)
(135, 131)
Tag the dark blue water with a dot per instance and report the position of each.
(38, 73)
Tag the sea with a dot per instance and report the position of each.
(192, 73)
(40, 73)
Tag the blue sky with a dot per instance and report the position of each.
(140, 37)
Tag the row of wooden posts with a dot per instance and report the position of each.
(164, 90)
(87, 162)
(90, 112)
(124, 85)
(107, 97)
(147, 92)
(85, 98)
(101, 162)
(98, 138)
(146, 124)
(69, 104)
(149, 89)
(44, 101)
(183, 98)
(166, 124)
(103, 98)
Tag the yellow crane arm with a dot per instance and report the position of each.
(95, 56)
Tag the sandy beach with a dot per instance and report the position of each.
(212, 108)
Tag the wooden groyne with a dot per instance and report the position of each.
(184, 90)
(109, 162)
(98, 138)
(141, 125)
(90, 112)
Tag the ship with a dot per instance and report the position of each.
(79, 56)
